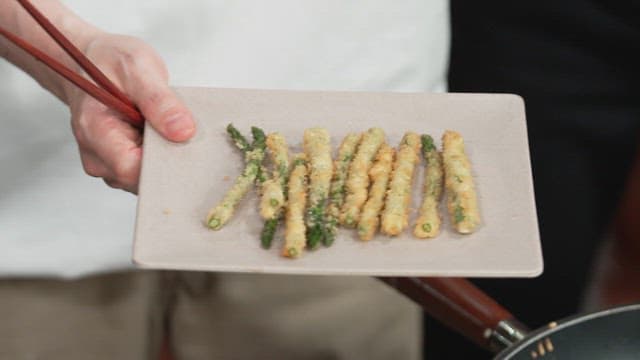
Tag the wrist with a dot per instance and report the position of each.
(15, 19)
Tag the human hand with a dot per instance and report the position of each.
(109, 147)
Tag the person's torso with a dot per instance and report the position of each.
(56, 220)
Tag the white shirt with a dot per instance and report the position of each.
(57, 221)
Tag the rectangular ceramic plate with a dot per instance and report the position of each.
(180, 182)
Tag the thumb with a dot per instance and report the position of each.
(164, 111)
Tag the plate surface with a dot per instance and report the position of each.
(180, 182)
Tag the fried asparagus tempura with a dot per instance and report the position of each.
(462, 200)
(358, 178)
(317, 148)
(272, 199)
(254, 154)
(341, 164)
(274, 190)
(380, 173)
(429, 220)
(295, 233)
(395, 216)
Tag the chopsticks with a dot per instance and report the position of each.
(109, 94)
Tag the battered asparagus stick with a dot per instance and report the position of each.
(336, 195)
(462, 200)
(253, 155)
(395, 217)
(295, 239)
(379, 173)
(428, 222)
(358, 178)
(274, 190)
(273, 194)
(346, 152)
(317, 148)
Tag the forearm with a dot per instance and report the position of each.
(16, 20)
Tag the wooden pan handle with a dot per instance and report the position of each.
(458, 304)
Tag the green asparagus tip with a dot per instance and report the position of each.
(327, 240)
(259, 138)
(237, 138)
(269, 229)
(427, 142)
(214, 223)
(314, 236)
(231, 130)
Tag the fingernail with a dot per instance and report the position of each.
(179, 127)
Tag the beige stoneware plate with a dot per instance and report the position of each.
(180, 182)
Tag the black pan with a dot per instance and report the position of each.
(608, 334)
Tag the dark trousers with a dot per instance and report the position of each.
(575, 63)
